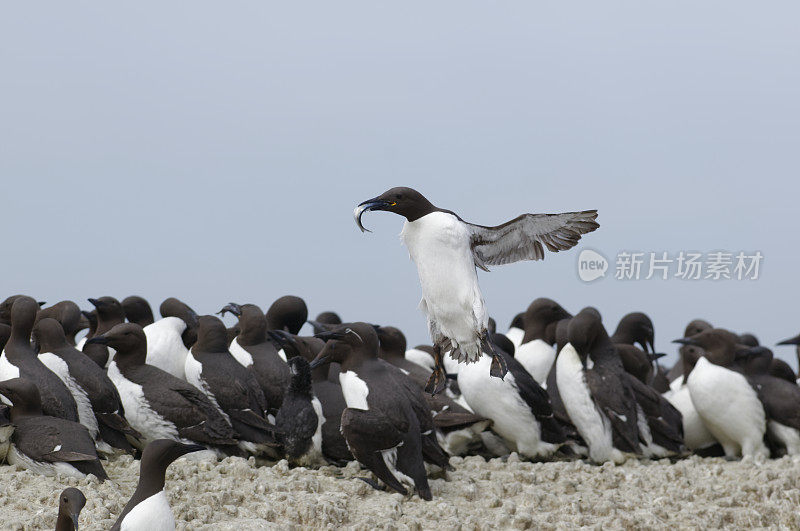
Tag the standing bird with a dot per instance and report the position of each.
(148, 508)
(447, 251)
(229, 386)
(70, 504)
(596, 392)
(300, 418)
(387, 424)
(157, 404)
(259, 354)
(19, 360)
(99, 405)
(729, 406)
(536, 352)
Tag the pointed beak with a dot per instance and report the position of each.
(656, 356)
(686, 341)
(189, 448)
(232, 307)
(94, 302)
(74, 517)
(370, 204)
(323, 357)
(792, 341)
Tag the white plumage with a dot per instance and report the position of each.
(138, 412)
(355, 390)
(500, 401)
(695, 434)
(152, 514)
(439, 245)
(593, 426)
(729, 407)
(165, 348)
(85, 412)
(537, 357)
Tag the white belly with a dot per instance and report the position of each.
(151, 514)
(729, 407)
(515, 335)
(499, 401)
(85, 411)
(43, 468)
(354, 389)
(240, 354)
(138, 412)
(695, 434)
(451, 298)
(537, 357)
(590, 423)
(165, 348)
(313, 457)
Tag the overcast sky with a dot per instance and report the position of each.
(214, 151)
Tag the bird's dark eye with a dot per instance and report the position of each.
(398, 196)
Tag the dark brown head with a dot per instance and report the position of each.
(349, 342)
(406, 202)
(718, 345)
(540, 313)
(392, 341)
(157, 456)
(127, 339)
(48, 335)
(633, 328)
(585, 330)
(70, 504)
(137, 310)
(287, 313)
(24, 395)
(696, 326)
(212, 336)
(173, 307)
(65, 312)
(109, 313)
(252, 326)
(23, 315)
(5, 308)
(748, 339)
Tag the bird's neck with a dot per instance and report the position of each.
(534, 330)
(64, 523)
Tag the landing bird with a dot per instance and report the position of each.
(447, 250)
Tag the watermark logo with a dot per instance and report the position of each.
(683, 265)
(591, 265)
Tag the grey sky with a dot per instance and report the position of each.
(215, 151)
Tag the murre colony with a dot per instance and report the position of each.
(561, 384)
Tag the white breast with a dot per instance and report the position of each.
(165, 348)
(421, 358)
(152, 514)
(499, 400)
(593, 426)
(354, 389)
(242, 356)
(85, 411)
(695, 434)
(8, 371)
(788, 436)
(138, 412)
(729, 407)
(515, 335)
(313, 457)
(537, 357)
(451, 298)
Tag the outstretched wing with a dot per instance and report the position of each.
(524, 237)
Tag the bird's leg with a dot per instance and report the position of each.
(438, 378)
(499, 368)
